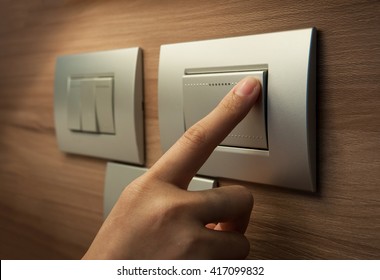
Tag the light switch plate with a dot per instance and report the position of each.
(290, 57)
(98, 104)
(118, 176)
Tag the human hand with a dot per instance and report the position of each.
(156, 218)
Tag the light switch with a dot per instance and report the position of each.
(74, 106)
(104, 105)
(88, 116)
(98, 105)
(203, 91)
(273, 147)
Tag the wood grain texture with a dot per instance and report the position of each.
(51, 202)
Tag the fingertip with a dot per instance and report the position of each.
(248, 87)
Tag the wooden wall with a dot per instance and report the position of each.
(51, 202)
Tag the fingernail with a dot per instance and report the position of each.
(247, 86)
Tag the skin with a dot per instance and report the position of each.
(156, 218)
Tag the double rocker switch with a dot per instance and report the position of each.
(90, 105)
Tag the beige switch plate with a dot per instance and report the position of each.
(290, 58)
(87, 128)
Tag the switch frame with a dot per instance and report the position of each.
(291, 104)
(125, 67)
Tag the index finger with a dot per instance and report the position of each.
(182, 161)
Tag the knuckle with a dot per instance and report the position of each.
(230, 104)
(162, 212)
(191, 244)
(195, 135)
(175, 206)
